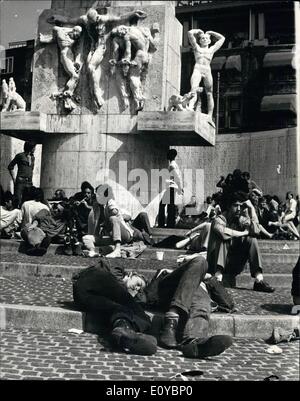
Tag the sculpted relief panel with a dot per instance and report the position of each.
(85, 41)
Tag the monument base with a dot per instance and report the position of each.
(178, 128)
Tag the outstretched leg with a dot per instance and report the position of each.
(195, 82)
(94, 71)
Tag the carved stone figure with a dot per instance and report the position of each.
(66, 38)
(200, 42)
(132, 51)
(11, 100)
(97, 26)
(181, 103)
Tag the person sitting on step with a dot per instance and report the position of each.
(230, 246)
(106, 217)
(10, 215)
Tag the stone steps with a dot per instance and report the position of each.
(256, 317)
(287, 257)
(27, 269)
(61, 319)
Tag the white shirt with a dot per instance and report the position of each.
(175, 176)
(30, 209)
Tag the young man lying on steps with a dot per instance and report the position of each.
(111, 293)
(183, 295)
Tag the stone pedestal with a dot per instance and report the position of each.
(97, 145)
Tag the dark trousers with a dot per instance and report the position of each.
(169, 200)
(181, 289)
(21, 184)
(240, 251)
(98, 291)
(142, 223)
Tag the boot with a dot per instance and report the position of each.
(168, 334)
(280, 335)
(203, 348)
(129, 340)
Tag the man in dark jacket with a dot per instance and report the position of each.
(109, 292)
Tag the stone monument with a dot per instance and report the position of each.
(103, 75)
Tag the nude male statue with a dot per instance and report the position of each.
(203, 57)
(96, 25)
(66, 38)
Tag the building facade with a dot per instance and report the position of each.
(254, 91)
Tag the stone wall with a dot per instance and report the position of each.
(260, 153)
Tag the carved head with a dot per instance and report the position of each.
(121, 31)
(204, 39)
(12, 85)
(93, 15)
(76, 31)
(4, 91)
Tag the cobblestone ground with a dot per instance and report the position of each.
(57, 292)
(42, 355)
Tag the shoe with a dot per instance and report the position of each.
(90, 254)
(262, 286)
(68, 250)
(131, 341)
(203, 348)
(167, 336)
(280, 335)
(36, 251)
(77, 250)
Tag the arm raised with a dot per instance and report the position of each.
(192, 36)
(220, 40)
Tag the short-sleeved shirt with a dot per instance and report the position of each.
(25, 167)
(30, 209)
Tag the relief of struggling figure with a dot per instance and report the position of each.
(132, 51)
(203, 53)
(71, 60)
(96, 26)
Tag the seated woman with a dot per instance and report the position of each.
(82, 203)
(106, 218)
(10, 215)
(287, 217)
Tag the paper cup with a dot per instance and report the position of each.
(159, 255)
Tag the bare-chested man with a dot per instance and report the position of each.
(203, 57)
(66, 38)
(96, 26)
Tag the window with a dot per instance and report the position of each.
(234, 112)
(7, 65)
